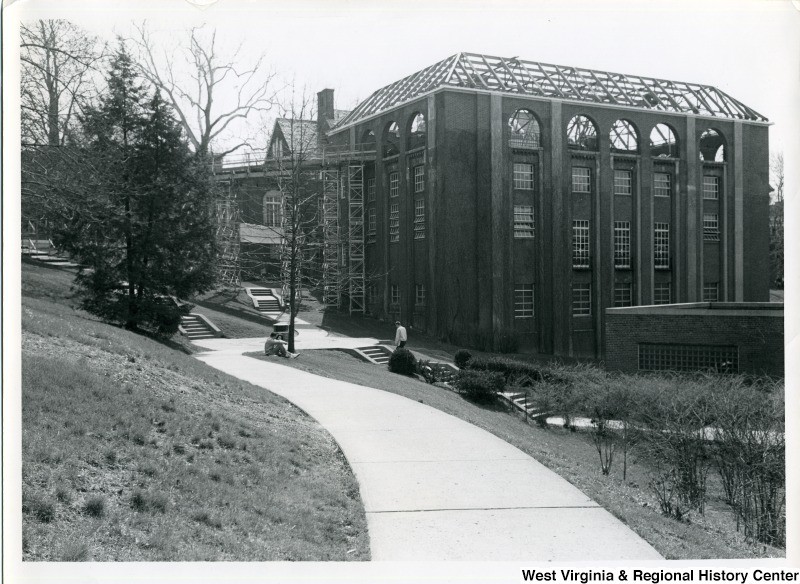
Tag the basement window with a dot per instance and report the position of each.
(721, 359)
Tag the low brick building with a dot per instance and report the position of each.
(742, 337)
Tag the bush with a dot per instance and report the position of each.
(514, 372)
(402, 361)
(479, 386)
(462, 357)
(95, 506)
(42, 509)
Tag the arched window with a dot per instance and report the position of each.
(663, 143)
(417, 130)
(524, 130)
(712, 146)
(582, 134)
(623, 137)
(391, 139)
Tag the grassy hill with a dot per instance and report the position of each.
(133, 450)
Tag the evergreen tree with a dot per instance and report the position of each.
(144, 226)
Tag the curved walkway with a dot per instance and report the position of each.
(437, 488)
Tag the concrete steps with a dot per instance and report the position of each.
(196, 327)
(519, 401)
(378, 354)
(264, 300)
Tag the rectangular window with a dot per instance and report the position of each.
(523, 301)
(394, 222)
(523, 221)
(581, 300)
(623, 294)
(581, 180)
(394, 184)
(580, 244)
(272, 211)
(523, 176)
(370, 189)
(662, 184)
(372, 224)
(711, 292)
(419, 178)
(373, 294)
(710, 227)
(419, 219)
(711, 187)
(419, 295)
(721, 359)
(661, 246)
(622, 244)
(395, 294)
(622, 182)
(662, 293)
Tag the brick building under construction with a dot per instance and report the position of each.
(498, 202)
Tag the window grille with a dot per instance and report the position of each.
(395, 294)
(272, 211)
(721, 359)
(394, 223)
(419, 178)
(662, 293)
(622, 244)
(523, 301)
(523, 221)
(394, 184)
(370, 189)
(419, 295)
(710, 227)
(581, 180)
(711, 292)
(580, 244)
(662, 184)
(419, 219)
(711, 187)
(661, 246)
(581, 299)
(623, 182)
(623, 294)
(523, 176)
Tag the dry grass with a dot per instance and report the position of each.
(133, 451)
(570, 454)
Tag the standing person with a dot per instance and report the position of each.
(401, 336)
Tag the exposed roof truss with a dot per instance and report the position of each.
(512, 75)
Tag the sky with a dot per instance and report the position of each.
(749, 49)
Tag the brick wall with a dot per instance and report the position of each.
(756, 329)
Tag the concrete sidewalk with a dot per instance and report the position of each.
(437, 488)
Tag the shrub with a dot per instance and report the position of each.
(462, 357)
(479, 386)
(143, 501)
(74, 551)
(514, 372)
(95, 506)
(402, 361)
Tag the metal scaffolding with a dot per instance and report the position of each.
(329, 222)
(355, 237)
(228, 239)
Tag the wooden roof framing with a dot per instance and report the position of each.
(512, 75)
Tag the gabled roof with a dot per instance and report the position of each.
(512, 75)
(299, 134)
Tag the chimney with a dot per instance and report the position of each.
(324, 110)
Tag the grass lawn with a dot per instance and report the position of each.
(134, 451)
(570, 454)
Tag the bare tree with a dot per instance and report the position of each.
(776, 221)
(58, 59)
(215, 92)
